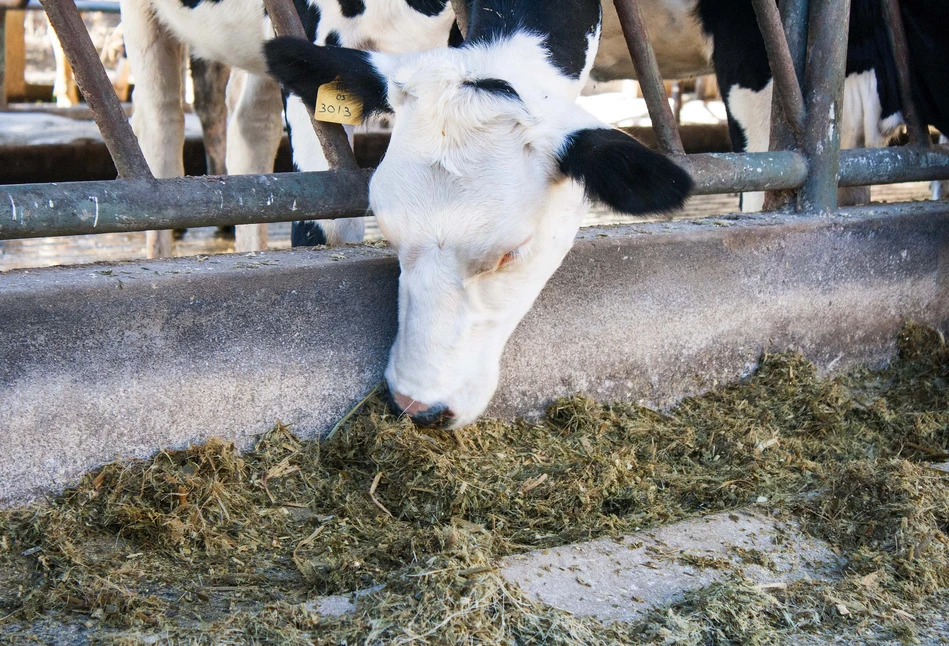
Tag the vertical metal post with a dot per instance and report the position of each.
(647, 71)
(461, 14)
(3, 58)
(824, 83)
(339, 154)
(96, 88)
(785, 88)
(917, 130)
(794, 19)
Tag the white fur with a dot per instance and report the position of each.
(752, 110)
(233, 32)
(861, 125)
(469, 177)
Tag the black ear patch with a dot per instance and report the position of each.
(302, 67)
(620, 172)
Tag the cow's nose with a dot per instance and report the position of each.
(422, 414)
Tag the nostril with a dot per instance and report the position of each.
(436, 416)
(405, 405)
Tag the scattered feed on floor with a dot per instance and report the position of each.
(209, 546)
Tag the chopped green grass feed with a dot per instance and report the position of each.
(210, 546)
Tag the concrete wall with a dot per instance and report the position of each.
(109, 361)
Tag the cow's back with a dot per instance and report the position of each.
(233, 31)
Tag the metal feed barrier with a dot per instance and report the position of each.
(801, 173)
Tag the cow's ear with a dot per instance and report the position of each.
(302, 67)
(620, 172)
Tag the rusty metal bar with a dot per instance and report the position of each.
(647, 71)
(96, 88)
(785, 89)
(79, 208)
(915, 128)
(332, 136)
(824, 83)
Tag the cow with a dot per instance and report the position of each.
(232, 32)
(485, 182)
(872, 111)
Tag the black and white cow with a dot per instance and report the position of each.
(485, 182)
(872, 110)
(233, 32)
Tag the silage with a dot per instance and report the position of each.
(212, 545)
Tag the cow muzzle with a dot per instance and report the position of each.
(423, 415)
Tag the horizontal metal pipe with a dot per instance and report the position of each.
(80, 208)
(732, 172)
(862, 166)
(84, 6)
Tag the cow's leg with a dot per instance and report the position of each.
(941, 189)
(210, 84)
(158, 118)
(64, 87)
(749, 115)
(308, 156)
(253, 136)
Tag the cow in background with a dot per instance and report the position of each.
(872, 108)
(232, 32)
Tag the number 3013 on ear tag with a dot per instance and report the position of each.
(336, 104)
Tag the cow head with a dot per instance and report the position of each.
(481, 193)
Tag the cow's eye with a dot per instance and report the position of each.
(510, 256)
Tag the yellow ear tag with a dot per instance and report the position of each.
(336, 104)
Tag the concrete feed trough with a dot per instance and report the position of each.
(100, 362)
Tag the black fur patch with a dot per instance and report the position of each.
(455, 37)
(333, 39)
(191, 4)
(302, 67)
(309, 16)
(352, 8)
(306, 234)
(565, 27)
(495, 86)
(620, 172)
(428, 7)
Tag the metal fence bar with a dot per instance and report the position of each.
(794, 20)
(84, 6)
(79, 208)
(110, 206)
(786, 89)
(824, 82)
(865, 166)
(3, 58)
(726, 172)
(915, 128)
(647, 70)
(332, 136)
(97, 89)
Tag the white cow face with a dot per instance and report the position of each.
(481, 193)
